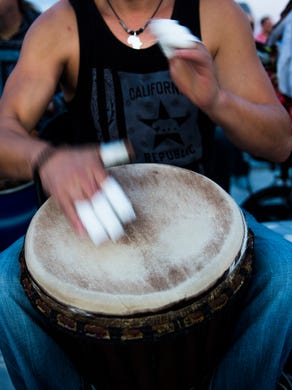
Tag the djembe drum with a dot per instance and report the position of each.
(155, 309)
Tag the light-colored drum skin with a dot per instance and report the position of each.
(188, 232)
(180, 263)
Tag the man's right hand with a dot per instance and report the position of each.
(78, 181)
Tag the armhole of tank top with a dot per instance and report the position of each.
(85, 49)
(188, 14)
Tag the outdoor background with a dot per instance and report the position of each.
(259, 7)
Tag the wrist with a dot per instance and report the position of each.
(218, 106)
(43, 157)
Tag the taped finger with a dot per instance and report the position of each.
(94, 229)
(107, 216)
(118, 200)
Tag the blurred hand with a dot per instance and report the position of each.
(73, 174)
(192, 70)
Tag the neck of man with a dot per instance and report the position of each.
(134, 13)
(131, 8)
(10, 21)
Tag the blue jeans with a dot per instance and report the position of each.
(261, 344)
(33, 359)
(262, 340)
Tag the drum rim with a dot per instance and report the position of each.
(129, 328)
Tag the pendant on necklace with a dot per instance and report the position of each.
(135, 41)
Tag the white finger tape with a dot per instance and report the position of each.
(107, 216)
(171, 35)
(118, 200)
(114, 153)
(91, 223)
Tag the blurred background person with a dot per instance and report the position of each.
(246, 8)
(266, 24)
(16, 16)
(281, 38)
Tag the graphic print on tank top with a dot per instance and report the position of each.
(160, 122)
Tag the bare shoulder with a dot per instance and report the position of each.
(228, 35)
(57, 22)
(52, 42)
(223, 22)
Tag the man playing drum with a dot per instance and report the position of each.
(115, 88)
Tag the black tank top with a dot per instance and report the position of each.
(128, 93)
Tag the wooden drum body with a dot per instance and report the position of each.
(155, 309)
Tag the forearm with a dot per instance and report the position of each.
(18, 150)
(263, 130)
(244, 104)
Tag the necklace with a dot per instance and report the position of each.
(133, 39)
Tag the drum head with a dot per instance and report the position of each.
(188, 233)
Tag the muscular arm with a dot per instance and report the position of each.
(229, 83)
(29, 90)
(50, 53)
